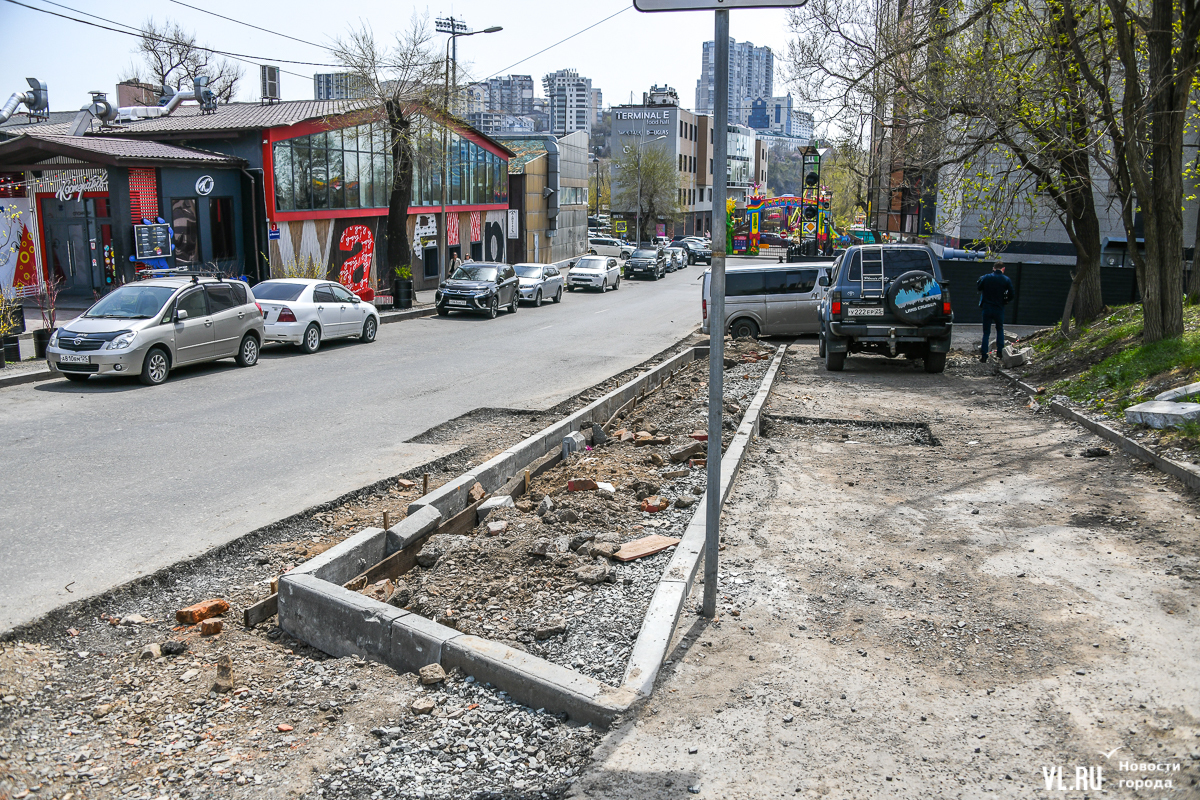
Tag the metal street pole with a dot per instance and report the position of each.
(716, 314)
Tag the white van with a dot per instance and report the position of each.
(770, 300)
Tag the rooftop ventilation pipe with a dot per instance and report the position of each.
(169, 102)
(99, 109)
(37, 100)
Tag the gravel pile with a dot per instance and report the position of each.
(477, 743)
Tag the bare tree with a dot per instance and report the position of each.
(403, 80)
(649, 177)
(1144, 80)
(170, 55)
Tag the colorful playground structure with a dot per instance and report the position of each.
(801, 219)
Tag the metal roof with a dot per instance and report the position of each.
(33, 151)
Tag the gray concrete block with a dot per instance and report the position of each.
(490, 505)
(417, 641)
(1180, 393)
(1162, 413)
(449, 498)
(655, 636)
(418, 523)
(348, 558)
(335, 620)
(495, 472)
(527, 452)
(689, 553)
(535, 682)
(572, 443)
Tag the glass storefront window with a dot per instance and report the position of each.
(352, 168)
(185, 223)
(220, 216)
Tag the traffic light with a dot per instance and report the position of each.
(810, 212)
(811, 179)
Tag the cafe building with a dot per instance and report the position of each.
(73, 207)
(296, 187)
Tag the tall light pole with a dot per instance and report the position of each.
(456, 28)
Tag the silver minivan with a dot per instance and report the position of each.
(150, 327)
(770, 299)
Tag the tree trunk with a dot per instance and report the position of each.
(1194, 281)
(398, 249)
(1065, 327)
(1089, 301)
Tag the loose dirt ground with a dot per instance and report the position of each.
(951, 608)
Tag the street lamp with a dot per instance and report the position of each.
(455, 28)
(637, 229)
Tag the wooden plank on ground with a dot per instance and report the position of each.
(646, 546)
(516, 487)
(261, 611)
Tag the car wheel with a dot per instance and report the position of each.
(617, 285)
(743, 329)
(76, 377)
(935, 362)
(558, 295)
(442, 311)
(247, 355)
(494, 307)
(311, 342)
(820, 347)
(516, 301)
(155, 367)
(604, 286)
(592, 252)
(537, 299)
(370, 328)
(834, 362)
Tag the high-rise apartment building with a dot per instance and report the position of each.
(779, 115)
(751, 76)
(511, 94)
(569, 98)
(337, 86)
(597, 103)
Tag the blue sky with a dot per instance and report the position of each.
(624, 54)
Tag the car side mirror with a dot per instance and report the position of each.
(355, 300)
(823, 280)
(180, 315)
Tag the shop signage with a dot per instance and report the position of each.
(514, 224)
(204, 185)
(273, 231)
(152, 241)
(64, 187)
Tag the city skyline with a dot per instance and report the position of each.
(71, 76)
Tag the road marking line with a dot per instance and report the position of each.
(601, 311)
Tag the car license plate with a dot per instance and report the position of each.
(458, 302)
(866, 311)
(74, 359)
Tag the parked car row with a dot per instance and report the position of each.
(151, 327)
(891, 300)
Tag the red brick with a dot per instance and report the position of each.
(211, 627)
(201, 611)
(581, 485)
(655, 504)
(699, 436)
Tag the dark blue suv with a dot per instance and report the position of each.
(886, 299)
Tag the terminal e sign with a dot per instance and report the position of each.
(712, 5)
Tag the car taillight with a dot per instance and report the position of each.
(260, 311)
(704, 308)
(946, 304)
(286, 315)
(835, 304)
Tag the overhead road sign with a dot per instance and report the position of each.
(712, 5)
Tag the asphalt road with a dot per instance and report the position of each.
(112, 479)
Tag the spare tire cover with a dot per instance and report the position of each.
(915, 297)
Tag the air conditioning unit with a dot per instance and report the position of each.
(270, 83)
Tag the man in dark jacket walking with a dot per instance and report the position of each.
(995, 292)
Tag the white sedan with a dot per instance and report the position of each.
(594, 272)
(305, 312)
(539, 282)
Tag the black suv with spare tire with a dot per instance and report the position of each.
(886, 299)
